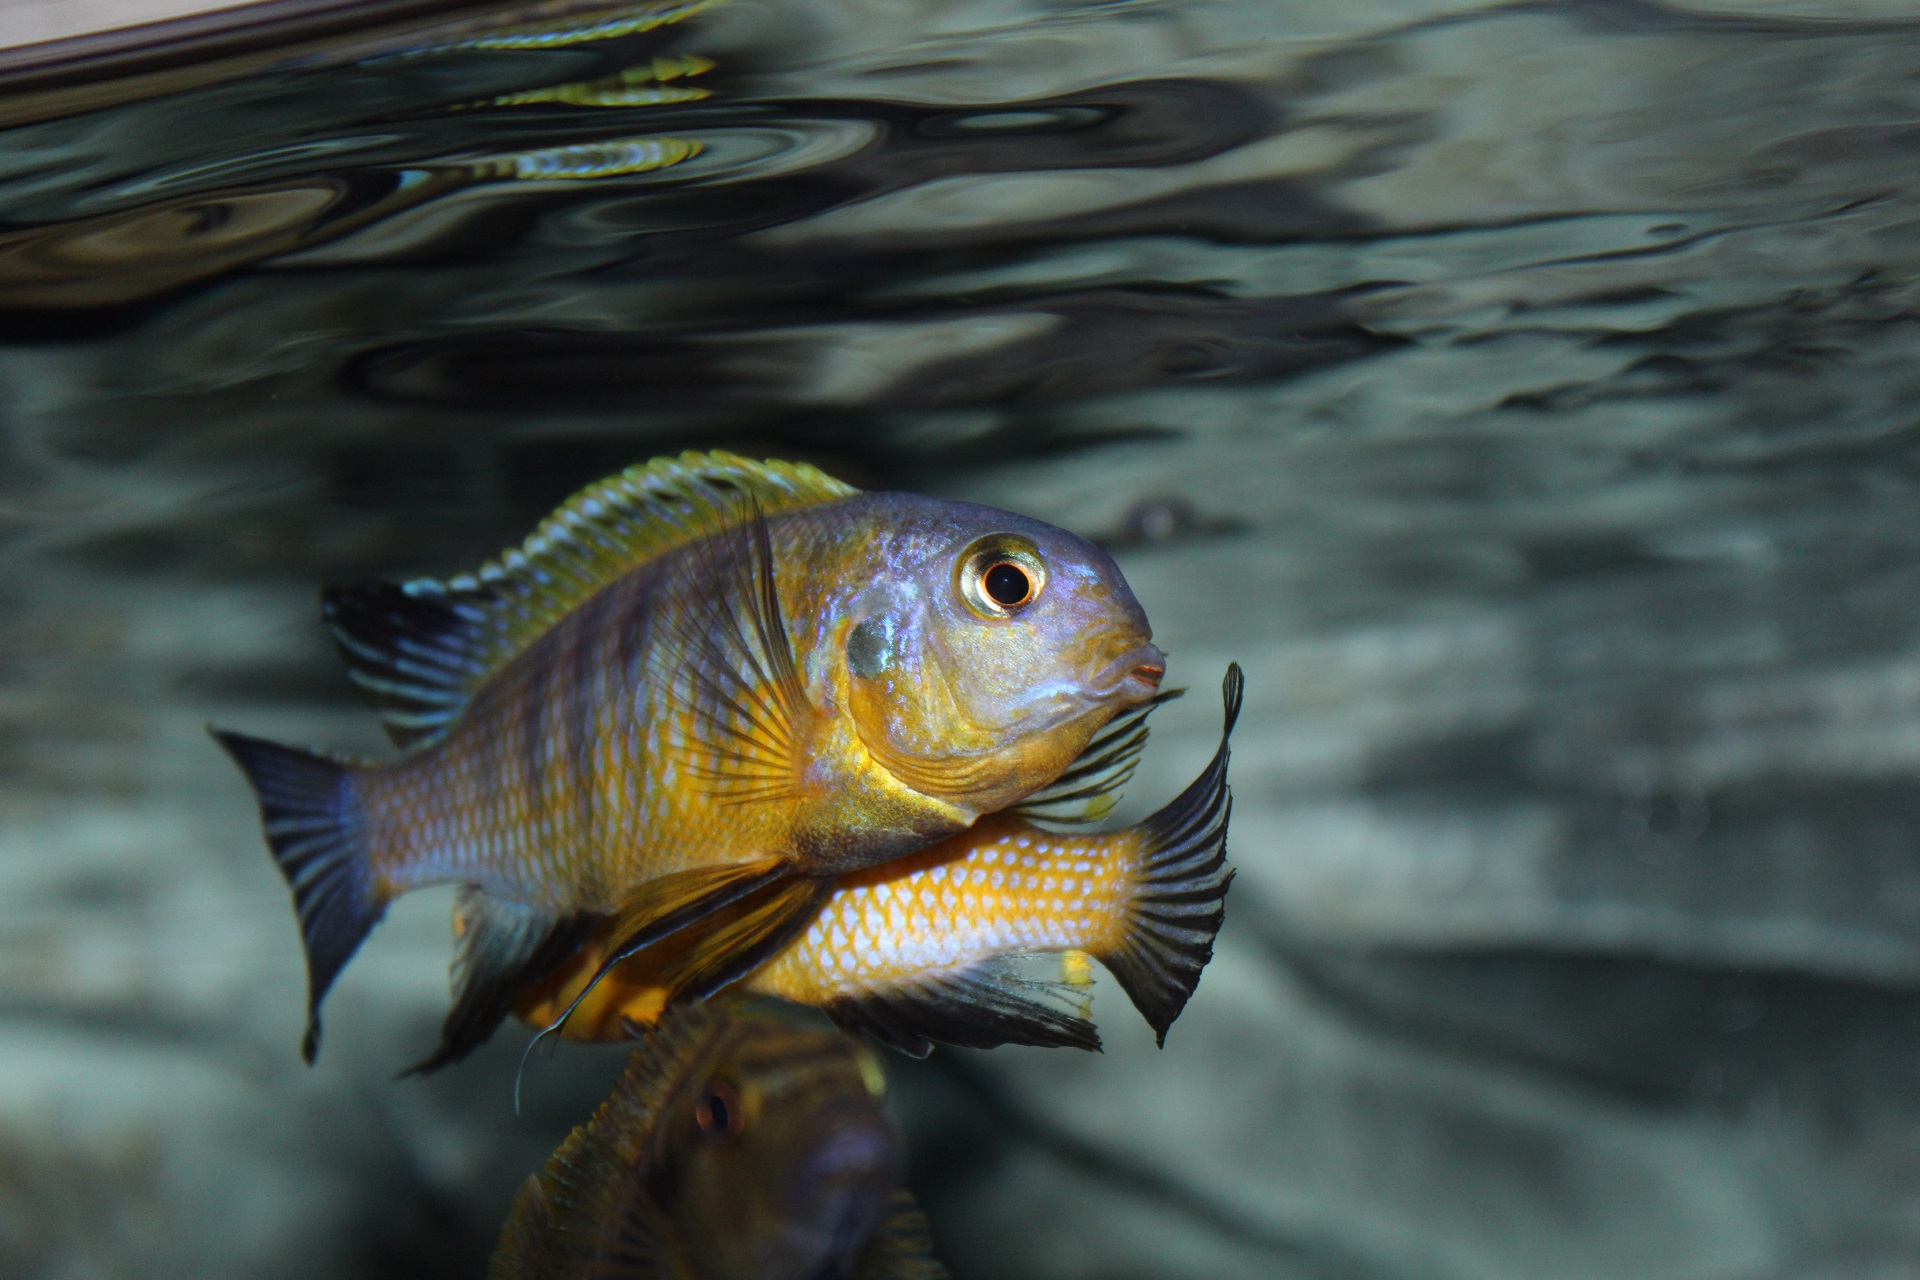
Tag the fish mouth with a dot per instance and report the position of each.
(1133, 677)
(842, 1185)
(853, 1152)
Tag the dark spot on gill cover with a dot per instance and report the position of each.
(869, 650)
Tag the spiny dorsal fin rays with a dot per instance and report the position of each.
(412, 656)
(419, 649)
(587, 1203)
(1091, 785)
(740, 691)
(651, 1076)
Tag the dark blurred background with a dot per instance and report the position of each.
(1525, 394)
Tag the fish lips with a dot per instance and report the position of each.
(1132, 678)
(843, 1185)
(1128, 681)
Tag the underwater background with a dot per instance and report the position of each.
(1527, 395)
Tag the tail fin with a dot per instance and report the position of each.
(1180, 893)
(312, 821)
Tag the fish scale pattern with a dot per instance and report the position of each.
(1030, 890)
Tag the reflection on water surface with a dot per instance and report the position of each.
(1524, 394)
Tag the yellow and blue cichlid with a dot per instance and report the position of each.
(698, 679)
(746, 1141)
(925, 948)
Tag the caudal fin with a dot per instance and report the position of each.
(1180, 889)
(311, 816)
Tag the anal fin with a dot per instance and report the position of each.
(982, 1006)
(504, 948)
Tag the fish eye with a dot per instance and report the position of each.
(718, 1113)
(1007, 585)
(1000, 574)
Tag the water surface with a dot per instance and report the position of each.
(1523, 393)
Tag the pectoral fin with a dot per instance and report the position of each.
(745, 937)
(572, 1230)
(690, 965)
(664, 906)
(739, 688)
(588, 1212)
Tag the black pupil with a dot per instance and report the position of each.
(715, 1118)
(1007, 585)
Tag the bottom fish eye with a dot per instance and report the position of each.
(717, 1112)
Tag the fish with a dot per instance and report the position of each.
(613, 158)
(698, 681)
(927, 948)
(747, 1140)
(643, 84)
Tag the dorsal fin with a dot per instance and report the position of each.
(588, 1210)
(902, 1247)
(419, 649)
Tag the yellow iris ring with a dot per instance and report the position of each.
(981, 556)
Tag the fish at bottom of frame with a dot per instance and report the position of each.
(748, 1140)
